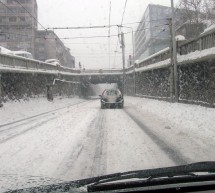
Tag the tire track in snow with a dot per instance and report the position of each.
(69, 160)
(87, 157)
(39, 115)
(26, 130)
(176, 156)
(22, 124)
(100, 158)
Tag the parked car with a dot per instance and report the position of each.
(112, 98)
(23, 54)
(4, 50)
(53, 62)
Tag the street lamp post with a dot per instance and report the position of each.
(174, 53)
(133, 45)
(123, 60)
(133, 49)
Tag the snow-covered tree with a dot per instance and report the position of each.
(192, 11)
(210, 11)
(197, 11)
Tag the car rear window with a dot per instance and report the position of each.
(111, 92)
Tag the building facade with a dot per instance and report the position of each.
(17, 27)
(153, 31)
(18, 32)
(49, 46)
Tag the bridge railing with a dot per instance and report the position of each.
(155, 58)
(9, 61)
(204, 41)
(129, 69)
(102, 71)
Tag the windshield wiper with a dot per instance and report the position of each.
(102, 182)
(186, 171)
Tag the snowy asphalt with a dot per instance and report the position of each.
(81, 140)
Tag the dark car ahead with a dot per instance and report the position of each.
(112, 98)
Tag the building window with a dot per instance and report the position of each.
(2, 37)
(22, 19)
(12, 19)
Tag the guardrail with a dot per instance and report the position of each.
(130, 69)
(204, 41)
(9, 62)
(102, 71)
(155, 58)
(20, 63)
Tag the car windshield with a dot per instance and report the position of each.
(104, 86)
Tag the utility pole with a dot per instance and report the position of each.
(134, 77)
(123, 61)
(171, 77)
(133, 62)
(1, 105)
(174, 54)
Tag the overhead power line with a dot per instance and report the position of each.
(124, 12)
(81, 37)
(101, 26)
(83, 27)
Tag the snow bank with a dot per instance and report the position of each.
(187, 118)
(180, 38)
(196, 55)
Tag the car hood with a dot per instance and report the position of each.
(10, 182)
(201, 170)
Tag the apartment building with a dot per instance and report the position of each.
(19, 31)
(153, 31)
(17, 28)
(49, 46)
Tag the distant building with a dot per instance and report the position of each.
(18, 32)
(153, 32)
(49, 46)
(17, 27)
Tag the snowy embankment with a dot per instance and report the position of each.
(15, 110)
(186, 130)
(196, 119)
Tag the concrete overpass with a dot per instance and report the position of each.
(21, 73)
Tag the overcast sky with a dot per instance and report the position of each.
(93, 52)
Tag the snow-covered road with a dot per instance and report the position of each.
(75, 139)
